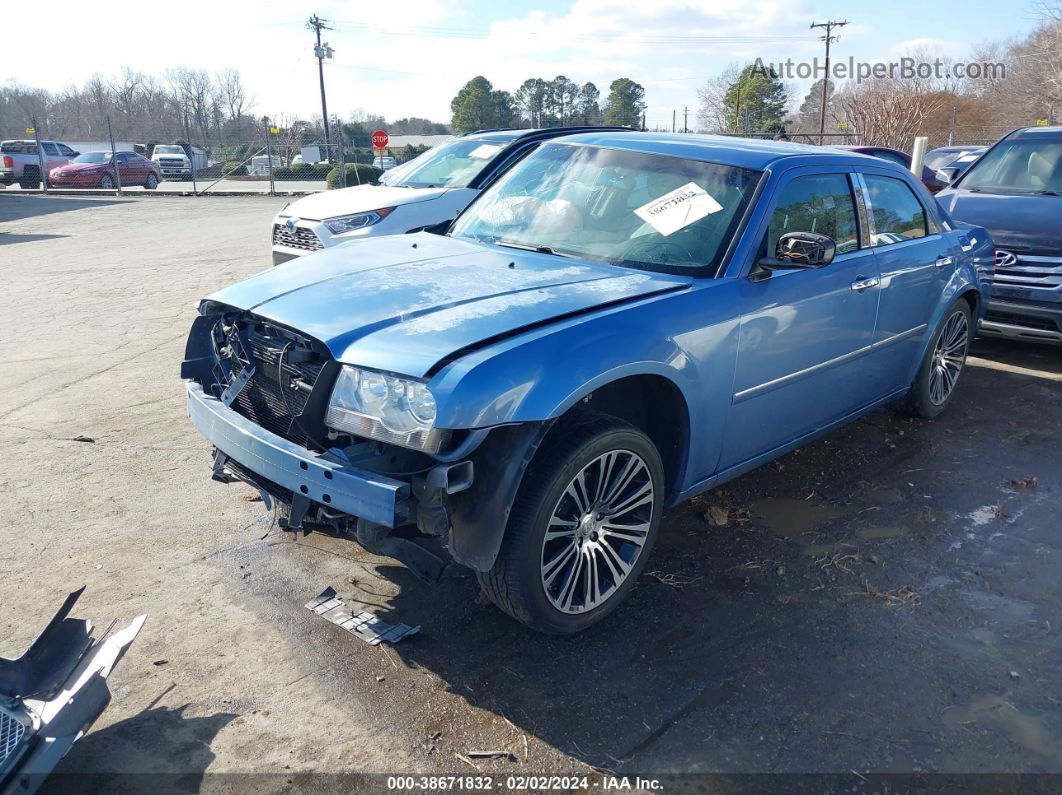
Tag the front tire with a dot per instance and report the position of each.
(151, 182)
(106, 182)
(582, 527)
(938, 375)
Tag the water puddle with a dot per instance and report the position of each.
(993, 712)
(790, 518)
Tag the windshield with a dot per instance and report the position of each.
(1018, 166)
(169, 150)
(452, 165)
(653, 212)
(93, 157)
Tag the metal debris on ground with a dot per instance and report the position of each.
(366, 626)
(82, 438)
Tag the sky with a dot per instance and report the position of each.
(409, 57)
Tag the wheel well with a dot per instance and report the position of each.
(655, 406)
(974, 300)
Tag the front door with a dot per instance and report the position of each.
(803, 347)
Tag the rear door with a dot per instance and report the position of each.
(806, 335)
(52, 158)
(915, 259)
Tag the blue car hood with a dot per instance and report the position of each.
(406, 302)
(1015, 222)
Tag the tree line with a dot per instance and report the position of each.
(538, 102)
(890, 111)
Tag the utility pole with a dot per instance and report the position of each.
(316, 24)
(686, 119)
(672, 120)
(828, 26)
(737, 108)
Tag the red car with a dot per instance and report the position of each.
(96, 170)
(929, 178)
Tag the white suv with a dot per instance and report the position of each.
(428, 190)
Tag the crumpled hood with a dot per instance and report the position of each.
(403, 303)
(1021, 223)
(358, 199)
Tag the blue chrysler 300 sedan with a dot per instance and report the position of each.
(619, 322)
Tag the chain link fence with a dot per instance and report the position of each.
(196, 159)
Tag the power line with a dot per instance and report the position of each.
(554, 35)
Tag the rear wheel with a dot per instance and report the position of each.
(583, 525)
(31, 178)
(938, 376)
(151, 182)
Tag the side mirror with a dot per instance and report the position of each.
(948, 174)
(76, 154)
(797, 250)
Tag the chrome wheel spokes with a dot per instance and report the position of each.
(949, 354)
(597, 531)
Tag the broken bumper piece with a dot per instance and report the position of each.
(357, 492)
(366, 626)
(52, 694)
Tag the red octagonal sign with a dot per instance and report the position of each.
(380, 139)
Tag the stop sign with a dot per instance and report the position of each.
(380, 139)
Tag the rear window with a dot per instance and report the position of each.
(18, 148)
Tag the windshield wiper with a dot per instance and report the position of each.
(1047, 193)
(530, 247)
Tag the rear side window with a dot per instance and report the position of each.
(49, 149)
(819, 203)
(896, 214)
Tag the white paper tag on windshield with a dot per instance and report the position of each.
(483, 151)
(679, 208)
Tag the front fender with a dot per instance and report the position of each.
(540, 375)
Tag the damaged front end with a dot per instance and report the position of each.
(53, 693)
(263, 395)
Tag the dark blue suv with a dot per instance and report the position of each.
(1015, 192)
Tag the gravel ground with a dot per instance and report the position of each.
(884, 600)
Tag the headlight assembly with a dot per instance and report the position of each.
(348, 223)
(386, 408)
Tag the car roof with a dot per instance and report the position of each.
(1048, 133)
(749, 153)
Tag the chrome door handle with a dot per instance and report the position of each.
(943, 261)
(862, 283)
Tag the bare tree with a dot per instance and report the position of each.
(712, 111)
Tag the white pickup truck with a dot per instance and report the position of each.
(20, 162)
(174, 162)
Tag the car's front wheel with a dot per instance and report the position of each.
(938, 374)
(583, 525)
(151, 182)
(106, 182)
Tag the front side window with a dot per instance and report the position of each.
(65, 150)
(450, 165)
(640, 210)
(819, 203)
(1018, 166)
(49, 149)
(895, 212)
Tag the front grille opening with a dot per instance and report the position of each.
(297, 237)
(286, 369)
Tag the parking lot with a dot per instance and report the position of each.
(886, 599)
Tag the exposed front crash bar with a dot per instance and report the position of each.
(357, 492)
